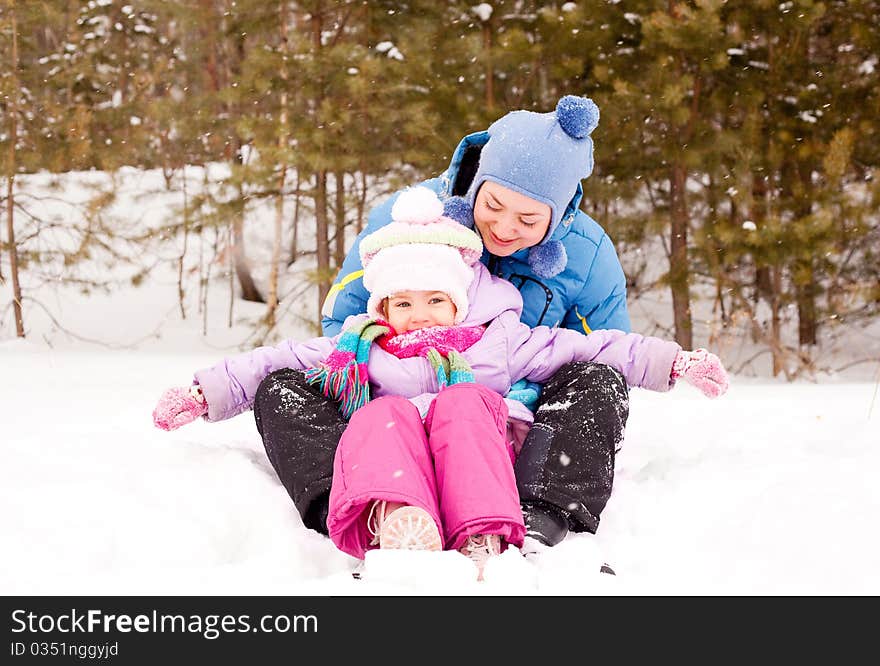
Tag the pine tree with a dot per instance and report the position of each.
(353, 116)
(104, 67)
(791, 83)
(11, 98)
(664, 84)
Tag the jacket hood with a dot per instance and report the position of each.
(489, 296)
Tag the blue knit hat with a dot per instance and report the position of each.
(543, 156)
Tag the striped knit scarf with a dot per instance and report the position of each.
(343, 375)
(459, 371)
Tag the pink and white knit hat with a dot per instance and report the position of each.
(419, 250)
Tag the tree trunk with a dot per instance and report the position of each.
(272, 304)
(249, 291)
(294, 240)
(230, 244)
(10, 181)
(321, 238)
(679, 272)
(206, 278)
(767, 277)
(212, 68)
(361, 202)
(806, 304)
(768, 285)
(775, 322)
(339, 238)
(806, 289)
(180, 292)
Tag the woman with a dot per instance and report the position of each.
(522, 180)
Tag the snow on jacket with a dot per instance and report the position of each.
(508, 351)
(589, 294)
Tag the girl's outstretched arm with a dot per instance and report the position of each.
(228, 388)
(645, 361)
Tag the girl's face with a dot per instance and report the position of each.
(411, 310)
(509, 221)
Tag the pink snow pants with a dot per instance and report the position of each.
(457, 465)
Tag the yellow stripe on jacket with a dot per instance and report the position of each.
(330, 301)
(587, 329)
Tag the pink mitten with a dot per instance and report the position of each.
(179, 406)
(702, 369)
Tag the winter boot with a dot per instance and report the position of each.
(405, 528)
(545, 523)
(479, 548)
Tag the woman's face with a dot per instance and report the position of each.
(509, 221)
(411, 310)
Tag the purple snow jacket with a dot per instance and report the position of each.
(508, 351)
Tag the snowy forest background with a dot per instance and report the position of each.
(736, 156)
(181, 180)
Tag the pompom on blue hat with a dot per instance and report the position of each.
(460, 210)
(543, 156)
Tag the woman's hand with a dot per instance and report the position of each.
(702, 369)
(179, 406)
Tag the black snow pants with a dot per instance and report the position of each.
(300, 428)
(567, 459)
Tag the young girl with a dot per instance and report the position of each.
(428, 462)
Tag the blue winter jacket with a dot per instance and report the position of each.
(589, 294)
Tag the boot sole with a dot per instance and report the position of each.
(410, 528)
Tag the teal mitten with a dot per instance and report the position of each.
(525, 392)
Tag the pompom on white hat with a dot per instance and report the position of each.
(419, 250)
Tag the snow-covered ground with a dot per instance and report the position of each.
(768, 490)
